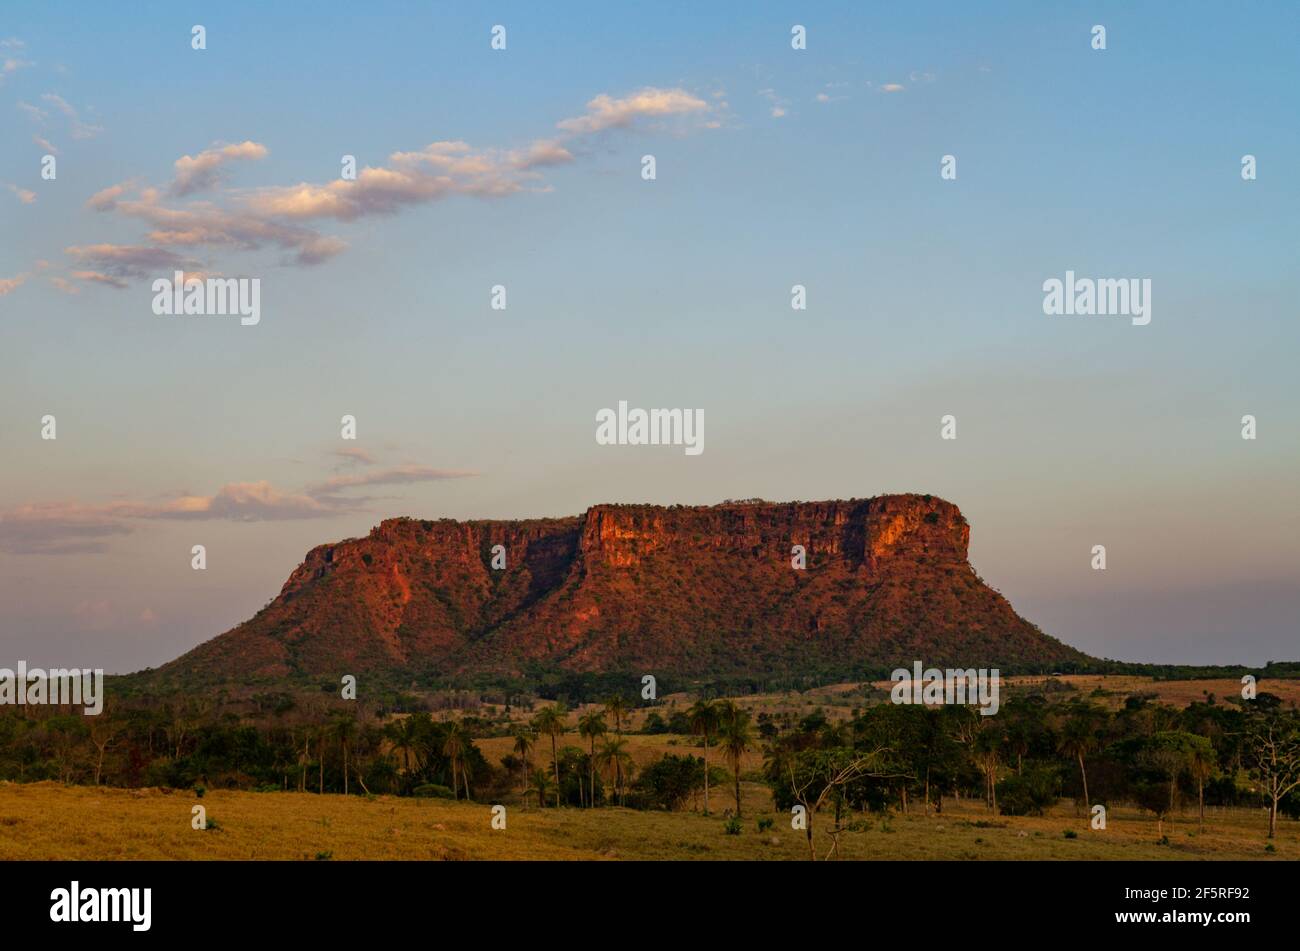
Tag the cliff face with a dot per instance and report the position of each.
(667, 590)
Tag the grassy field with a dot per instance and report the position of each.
(51, 821)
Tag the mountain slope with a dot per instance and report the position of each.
(693, 591)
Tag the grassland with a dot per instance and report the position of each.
(51, 821)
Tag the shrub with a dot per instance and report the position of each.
(732, 826)
(432, 790)
(1028, 793)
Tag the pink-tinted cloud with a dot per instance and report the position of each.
(606, 112)
(10, 284)
(77, 128)
(400, 475)
(129, 261)
(203, 171)
(77, 528)
(97, 277)
(281, 216)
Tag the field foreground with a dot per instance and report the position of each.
(43, 821)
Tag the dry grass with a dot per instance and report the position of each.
(50, 821)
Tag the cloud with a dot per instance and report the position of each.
(400, 475)
(23, 195)
(439, 170)
(45, 144)
(205, 224)
(35, 113)
(129, 261)
(79, 129)
(891, 87)
(203, 171)
(55, 530)
(356, 456)
(605, 112)
(11, 64)
(778, 103)
(67, 286)
(243, 502)
(12, 43)
(94, 277)
(284, 215)
(106, 198)
(73, 528)
(10, 284)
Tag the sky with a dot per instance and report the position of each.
(523, 167)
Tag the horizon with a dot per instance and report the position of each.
(774, 168)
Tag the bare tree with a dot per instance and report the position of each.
(1272, 742)
(826, 773)
(103, 732)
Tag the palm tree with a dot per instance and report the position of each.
(703, 718)
(404, 734)
(540, 784)
(524, 742)
(615, 761)
(1201, 761)
(735, 736)
(454, 748)
(591, 725)
(1077, 740)
(616, 707)
(344, 729)
(322, 733)
(550, 722)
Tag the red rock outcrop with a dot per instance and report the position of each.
(691, 591)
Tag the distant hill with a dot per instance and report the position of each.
(706, 591)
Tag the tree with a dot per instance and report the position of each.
(1079, 738)
(616, 707)
(818, 775)
(615, 761)
(591, 725)
(988, 754)
(735, 737)
(524, 742)
(454, 748)
(550, 722)
(1201, 762)
(404, 734)
(1155, 765)
(344, 729)
(103, 731)
(703, 719)
(1272, 744)
(540, 784)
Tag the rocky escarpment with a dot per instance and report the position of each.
(677, 590)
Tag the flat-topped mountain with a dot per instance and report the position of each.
(668, 590)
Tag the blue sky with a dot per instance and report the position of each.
(774, 167)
